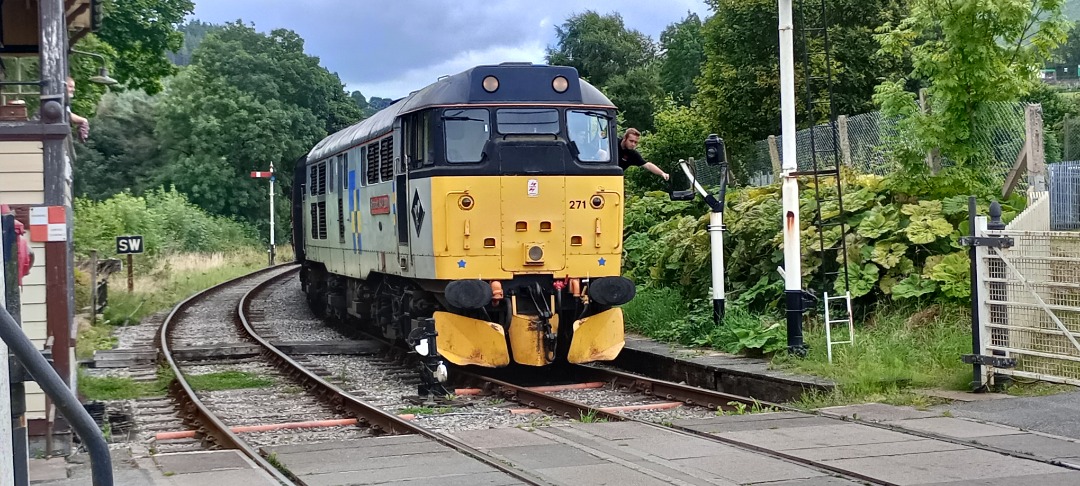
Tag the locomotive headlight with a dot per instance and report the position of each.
(560, 84)
(597, 202)
(491, 83)
(534, 254)
(466, 203)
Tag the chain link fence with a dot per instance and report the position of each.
(864, 142)
(1070, 138)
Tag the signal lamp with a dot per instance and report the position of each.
(714, 150)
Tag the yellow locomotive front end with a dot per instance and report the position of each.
(527, 225)
(538, 243)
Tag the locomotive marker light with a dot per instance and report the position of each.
(792, 252)
(270, 175)
(714, 155)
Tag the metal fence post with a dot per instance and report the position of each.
(997, 290)
(976, 326)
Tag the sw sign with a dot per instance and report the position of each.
(127, 245)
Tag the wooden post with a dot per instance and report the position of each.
(845, 143)
(1065, 129)
(1036, 156)
(93, 287)
(1017, 171)
(131, 275)
(933, 158)
(774, 156)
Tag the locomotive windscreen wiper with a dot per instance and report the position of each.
(596, 113)
(462, 118)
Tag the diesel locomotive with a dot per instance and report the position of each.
(489, 202)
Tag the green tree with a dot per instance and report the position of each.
(143, 31)
(247, 99)
(82, 68)
(683, 50)
(679, 133)
(739, 84)
(194, 33)
(600, 47)
(123, 152)
(635, 93)
(274, 67)
(968, 52)
(215, 134)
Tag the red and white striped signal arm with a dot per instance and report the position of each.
(262, 174)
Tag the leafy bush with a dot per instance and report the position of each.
(663, 314)
(902, 239)
(166, 220)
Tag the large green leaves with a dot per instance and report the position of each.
(896, 249)
(888, 253)
(913, 286)
(953, 274)
(927, 222)
(862, 278)
(879, 221)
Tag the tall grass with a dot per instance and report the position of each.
(175, 278)
(161, 287)
(663, 314)
(900, 349)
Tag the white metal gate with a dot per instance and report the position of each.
(1029, 298)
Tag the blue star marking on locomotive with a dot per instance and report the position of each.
(602, 262)
(461, 264)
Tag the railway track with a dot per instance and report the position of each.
(638, 399)
(221, 317)
(555, 396)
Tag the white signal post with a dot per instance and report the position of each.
(792, 251)
(269, 175)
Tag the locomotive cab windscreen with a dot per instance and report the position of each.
(503, 136)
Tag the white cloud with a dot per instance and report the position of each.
(391, 48)
(418, 78)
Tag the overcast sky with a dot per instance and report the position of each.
(389, 48)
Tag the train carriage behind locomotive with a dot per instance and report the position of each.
(488, 201)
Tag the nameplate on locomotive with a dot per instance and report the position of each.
(380, 205)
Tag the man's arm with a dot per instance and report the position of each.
(651, 167)
(76, 119)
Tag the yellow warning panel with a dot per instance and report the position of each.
(466, 341)
(598, 337)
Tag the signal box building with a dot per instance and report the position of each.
(36, 157)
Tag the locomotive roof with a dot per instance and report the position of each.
(519, 83)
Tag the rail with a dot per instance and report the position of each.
(196, 411)
(654, 388)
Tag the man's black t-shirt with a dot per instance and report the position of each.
(629, 157)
